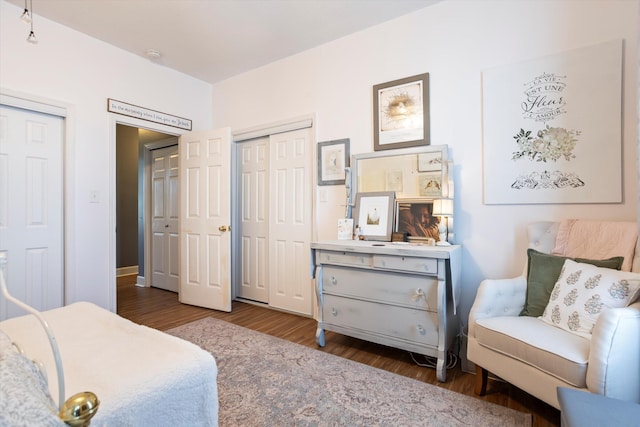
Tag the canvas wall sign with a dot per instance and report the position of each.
(553, 128)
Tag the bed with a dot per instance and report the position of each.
(141, 376)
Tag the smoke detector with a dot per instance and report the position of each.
(153, 54)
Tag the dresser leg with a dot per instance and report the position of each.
(320, 336)
(481, 381)
(441, 370)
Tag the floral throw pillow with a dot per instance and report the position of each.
(583, 291)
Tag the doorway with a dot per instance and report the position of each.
(133, 228)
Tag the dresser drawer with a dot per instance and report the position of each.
(344, 258)
(388, 320)
(406, 263)
(410, 290)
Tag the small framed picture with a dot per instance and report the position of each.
(374, 215)
(333, 158)
(430, 185)
(415, 218)
(430, 162)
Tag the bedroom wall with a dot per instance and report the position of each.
(453, 41)
(74, 69)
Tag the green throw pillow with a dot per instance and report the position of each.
(542, 274)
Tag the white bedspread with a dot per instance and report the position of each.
(142, 377)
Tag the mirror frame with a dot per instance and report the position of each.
(356, 158)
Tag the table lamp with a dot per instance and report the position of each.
(443, 208)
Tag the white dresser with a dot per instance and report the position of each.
(396, 294)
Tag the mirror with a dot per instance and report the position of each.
(417, 172)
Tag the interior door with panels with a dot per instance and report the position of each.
(205, 218)
(31, 208)
(290, 215)
(253, 168)
(165, 247)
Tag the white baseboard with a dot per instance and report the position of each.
(140, 282)
(126, 271)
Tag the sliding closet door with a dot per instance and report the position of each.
(253, 198)
(31, 208)
(290, 216)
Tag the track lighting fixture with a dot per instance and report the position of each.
(26, 16)
(32, 36)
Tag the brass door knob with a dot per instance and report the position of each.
(224, 228)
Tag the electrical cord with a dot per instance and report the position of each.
(432, 362)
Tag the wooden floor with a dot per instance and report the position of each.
(161, 310)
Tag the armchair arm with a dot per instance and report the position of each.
(614, 356)
(498, 297)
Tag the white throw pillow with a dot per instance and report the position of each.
(583, 291)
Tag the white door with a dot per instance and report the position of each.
(165, 244)
(205, 218)
(290, 182)
(31, 206)
(252, 166)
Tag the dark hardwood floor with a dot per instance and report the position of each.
(161, 310)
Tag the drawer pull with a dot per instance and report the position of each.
(418, 294)
(334, 311)
(421, 330)
(334, 281)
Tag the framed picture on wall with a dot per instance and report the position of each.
(401, 113)
(333, 158)
(374, 214)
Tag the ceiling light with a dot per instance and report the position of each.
(32, 38)
(26, 16)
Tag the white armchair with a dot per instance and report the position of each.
(538, 357)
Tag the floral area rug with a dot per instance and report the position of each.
(268, 381)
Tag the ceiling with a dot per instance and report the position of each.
(213, 40)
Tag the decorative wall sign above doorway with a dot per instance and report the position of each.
(125, 109)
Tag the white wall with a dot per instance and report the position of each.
(71, 68)
(453, 41)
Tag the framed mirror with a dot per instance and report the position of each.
(416, 172)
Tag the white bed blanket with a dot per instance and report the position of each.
(142, 377)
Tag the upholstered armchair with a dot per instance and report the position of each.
(544, 350)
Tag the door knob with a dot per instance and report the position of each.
(224, 228)
(166, 226)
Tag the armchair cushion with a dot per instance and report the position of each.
(543, 272)
(537, 344)
(583, 291)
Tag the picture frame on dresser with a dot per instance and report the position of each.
(414, 218)
(374, 215)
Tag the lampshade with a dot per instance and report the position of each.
(443, 207)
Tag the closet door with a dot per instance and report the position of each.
(252, 166)
(290, 216)
(165, 242)
(31, 206)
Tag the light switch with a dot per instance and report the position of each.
(94, 196)
(322, 195)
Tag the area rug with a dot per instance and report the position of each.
(268, 381)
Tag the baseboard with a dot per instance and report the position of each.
(140, 282)
(126, 271)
